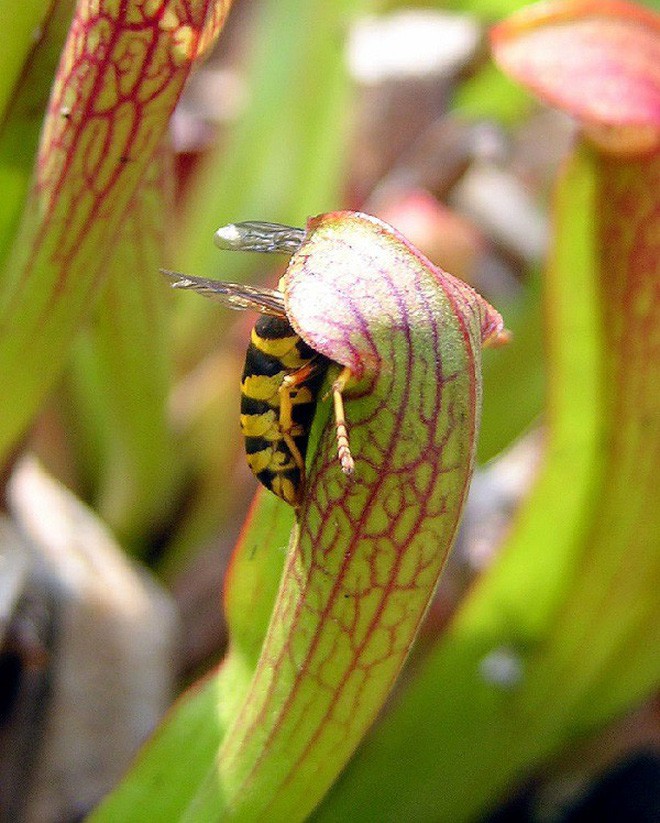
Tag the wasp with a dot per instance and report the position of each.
(282, 376)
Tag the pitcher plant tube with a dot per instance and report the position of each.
(365, 551)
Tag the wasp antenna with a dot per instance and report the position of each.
(255, 235)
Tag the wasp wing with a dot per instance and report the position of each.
(259, 236)
(233, 295)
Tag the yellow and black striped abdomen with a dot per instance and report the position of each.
(275, 446)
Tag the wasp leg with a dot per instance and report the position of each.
(287, 389)
(343, 446)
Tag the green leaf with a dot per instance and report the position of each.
(95, 149)
(490, 94)
(121, 377)
(22, 32)
(24, 97)
(514, 379)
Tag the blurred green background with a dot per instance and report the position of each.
(542, 632)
